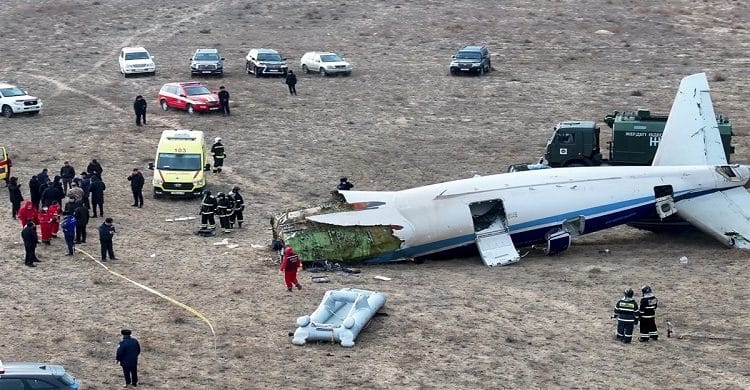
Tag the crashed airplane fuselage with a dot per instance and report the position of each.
(501, 212)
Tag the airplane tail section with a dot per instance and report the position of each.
(725, 215)
(691, 135)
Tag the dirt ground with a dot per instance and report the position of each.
(399, 121)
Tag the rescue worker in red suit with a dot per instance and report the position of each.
(290, 263)
(54, 209)
(45, 223)
(28, 213)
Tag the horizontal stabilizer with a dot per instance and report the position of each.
(725, 215)
(691, 135)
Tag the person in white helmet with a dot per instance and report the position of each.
(217, 151)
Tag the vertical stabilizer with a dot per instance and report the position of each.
(691, 135)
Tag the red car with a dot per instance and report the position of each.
(193, 97)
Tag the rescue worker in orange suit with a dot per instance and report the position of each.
(28, 213)
(45, 223)
(290, 263)
(54, 209)
(647, 314)
(626, 312)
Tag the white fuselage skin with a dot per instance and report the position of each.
(537, 200)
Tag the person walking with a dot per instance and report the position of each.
(139, 106)
(239, 206)
(136, 185)
(217, 151)
(208, 208)
(106, 232)
(127, 355)
(290, 263)
(34, 191)
(28, 213)
(14, 192)
(86, 187)
(69, 232)
(344, 184)
(30, 239)
(97, 194)
(67, 173)
(82, 219)
(94, 168)
(626, 312)
(224, 100)
(291, 82)
(647, 314)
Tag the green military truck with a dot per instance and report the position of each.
(635, 137)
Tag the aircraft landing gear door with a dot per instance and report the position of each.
(664, 201)
(492, 237)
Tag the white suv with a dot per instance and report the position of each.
(325, 63)
(262, 62)
(135, 60)
(14, 100)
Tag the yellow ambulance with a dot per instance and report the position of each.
(181, 164)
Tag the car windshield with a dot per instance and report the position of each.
(330, 58)
(12, 91)
(197, 90)
(140, 55)
(269, 57)
(179, 162)
(206, 57)
(468, 55)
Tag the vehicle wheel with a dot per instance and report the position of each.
(33, 113)
(305, 69)
(164, 105)
(153, 73)
(481, 71)
(190, 109)
(347, 74)
(7, 111)
(285, 72)
(247, 68)
(257, 72)
(323, 72)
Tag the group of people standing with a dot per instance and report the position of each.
(63, 203)
(629, 313)
(228, 207)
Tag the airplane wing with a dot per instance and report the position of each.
(374, 217)
(725, 215)
(691, 135)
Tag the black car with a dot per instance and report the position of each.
(25, 376)
(471, 59)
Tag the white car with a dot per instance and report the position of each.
(325, 63)
(135, 60)
(14, 100)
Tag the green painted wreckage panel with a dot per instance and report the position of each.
(318, 241)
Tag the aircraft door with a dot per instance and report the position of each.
(491, 232)
(664, 201)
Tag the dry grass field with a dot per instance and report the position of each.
(399, 121)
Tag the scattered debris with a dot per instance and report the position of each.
(222, 242)
(153, 255)
(604, 251)
(683, 260)
(180, 219)
(603, 32)
(256, 246)
(320, 279)
(378, 277)
(232, 246)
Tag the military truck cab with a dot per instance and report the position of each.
(573, 144)
(181, 162)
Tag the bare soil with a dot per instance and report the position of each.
(399, 121)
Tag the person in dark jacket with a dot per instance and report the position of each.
(239, 206)
(208, 208)
(86, 187)
(139, 106)
(344, 184)
(626, 312)
(94, 168)
(82, 219)
(34, 192)
(67, 173)
(223, 212)
(136, 185)
(43, 176)
(97, 194)
(647, 314)
(217, 151)
(53, 193)
(106, 232)
(127, 355)
(291, 82)
(68, 226)
(30, 239)
(14, 192)
(224, 100)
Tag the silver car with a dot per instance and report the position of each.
(24, 376)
